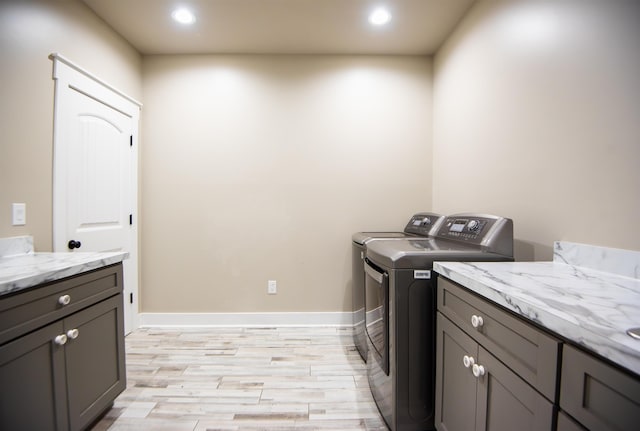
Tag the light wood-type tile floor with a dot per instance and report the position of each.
(271, 379)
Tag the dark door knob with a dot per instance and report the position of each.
(74, 244)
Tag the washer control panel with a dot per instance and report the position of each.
(489, 232)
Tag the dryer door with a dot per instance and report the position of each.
(377, 312)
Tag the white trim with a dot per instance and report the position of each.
(57, 56)
(150, 320)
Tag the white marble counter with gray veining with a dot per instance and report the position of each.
(21, 268)
(588, 295)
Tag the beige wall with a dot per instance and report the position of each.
(29, 31)
(248, 160)
(261, 167)
(537, 105)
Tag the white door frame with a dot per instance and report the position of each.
(68, 75)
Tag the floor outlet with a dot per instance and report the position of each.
(272, 287)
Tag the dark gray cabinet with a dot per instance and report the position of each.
(475, 391)
(63, 371)
(494, 372)
(523, 375)
(596, 394)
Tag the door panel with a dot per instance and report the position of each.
(98, 205)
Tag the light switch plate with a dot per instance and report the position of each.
(272, 287)
(19, 211)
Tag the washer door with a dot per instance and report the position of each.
(377, 312)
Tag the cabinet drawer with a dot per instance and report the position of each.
(528, 351)
(27, 311)
(598, 395)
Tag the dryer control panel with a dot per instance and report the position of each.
(493, 233)
(465, 228)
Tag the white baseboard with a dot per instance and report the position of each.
(151, 320)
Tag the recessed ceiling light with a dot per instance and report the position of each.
(380, 16)
(183, 16)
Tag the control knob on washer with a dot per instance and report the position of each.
(473, 225)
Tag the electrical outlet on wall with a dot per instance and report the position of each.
(272, 287)
(19, 214)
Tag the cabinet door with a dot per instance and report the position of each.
(455, 384)
(506, 402)
(94, 360)
(565, 423)
(32, 382)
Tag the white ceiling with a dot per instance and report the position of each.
(283, 26)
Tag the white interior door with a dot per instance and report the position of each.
(95, 172)
(98, 177)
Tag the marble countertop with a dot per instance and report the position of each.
(587, 306)
(22, 271)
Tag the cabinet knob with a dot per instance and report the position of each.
(60, 340)
(64, 300)
(477, 321)
(73, 333)
(74, 244)
(478, 370)
(468, 361)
